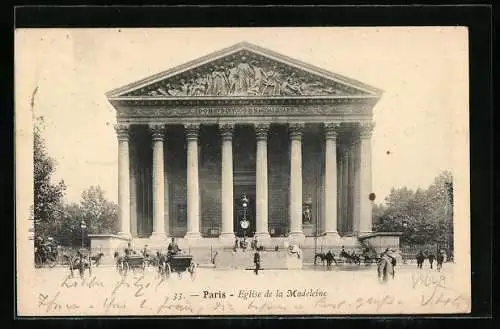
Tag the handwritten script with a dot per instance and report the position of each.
(151, 295)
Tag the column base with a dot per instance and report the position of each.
(124, 235)
(159, 236)
(296, 237)
(192, 236)
(262, 236)
(364, 233)
(331, 239)
(227, 238)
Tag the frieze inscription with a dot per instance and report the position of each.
(173, 112)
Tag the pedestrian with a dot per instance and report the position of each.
(440, 259)
(431, 259)
(420, 259)
(256, 260)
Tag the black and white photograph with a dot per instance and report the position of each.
(242, 171)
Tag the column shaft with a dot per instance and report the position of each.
(355, 188)
(193, 190)
(227, 183)
(365, 225)
(345, 189)
(340, 227)
(331, 179)
(123, 179)
(262, 229)
(158, 133)
(133, 186)
(296, 180)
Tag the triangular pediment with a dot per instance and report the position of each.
(244, 70)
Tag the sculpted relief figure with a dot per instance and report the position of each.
(220, 83)
(241, 79)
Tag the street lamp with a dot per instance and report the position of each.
(244, 223)
(83, 226)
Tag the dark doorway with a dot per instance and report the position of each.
(249, 190)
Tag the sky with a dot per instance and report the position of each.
(420, 120)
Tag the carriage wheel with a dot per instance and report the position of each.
(120, 267)
(167, 270)
(52, 262)
(38, 260)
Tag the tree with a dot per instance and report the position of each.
(100, 214)
(423, 216)
(48, 196)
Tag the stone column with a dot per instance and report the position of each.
(340, 226)
(133, 185)
(354, 166)
(296, 130)
(261, 187)
(345, 189)
(227, 198)
(122, 132)
(365, 178)
(158, 134)
(330, 204)
(193, 190)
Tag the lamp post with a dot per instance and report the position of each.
(244, 223)
(83, 226)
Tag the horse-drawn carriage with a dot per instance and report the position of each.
(177, 263)
(45, 252)
(81, 262)
(134, 262)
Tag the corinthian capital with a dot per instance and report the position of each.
(261, 131)
(192, 131)
(296, 130)
(366, 129)
(331, 130)
(157, 131)
(122, 132)
(226, 131)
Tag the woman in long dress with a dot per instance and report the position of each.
(219, 82)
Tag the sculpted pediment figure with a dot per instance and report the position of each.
(244, 70)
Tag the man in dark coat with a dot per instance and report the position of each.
(431, 259)
(256, 260)
(173, 247)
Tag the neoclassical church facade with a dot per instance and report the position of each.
(245, 122)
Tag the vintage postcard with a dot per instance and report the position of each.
(256, 171)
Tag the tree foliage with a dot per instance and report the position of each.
(56, 218)
(423, 216)
(48, 196)
(100, 214)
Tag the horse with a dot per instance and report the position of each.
(385, 268)
(321, 256)
(119, 262)
(97, 258)
(328, 257)
(81, 264)
(162, 264)
(351, 258)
